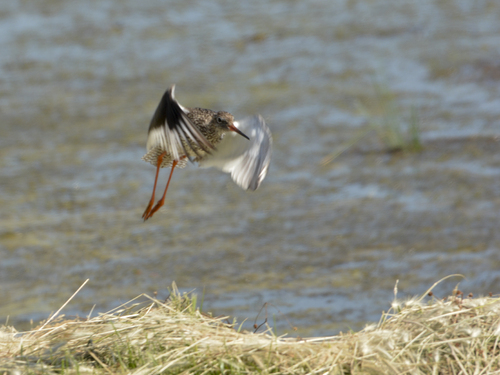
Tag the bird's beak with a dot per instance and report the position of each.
(235, 129)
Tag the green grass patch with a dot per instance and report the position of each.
(398, 130)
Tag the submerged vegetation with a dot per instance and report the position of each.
(455, 335)
(398, 129)
(396, 132)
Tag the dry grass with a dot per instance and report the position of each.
(453, 336)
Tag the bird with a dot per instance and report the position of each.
(178, 134)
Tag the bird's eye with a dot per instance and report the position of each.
(219, 120)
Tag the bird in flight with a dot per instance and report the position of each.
(211, 138)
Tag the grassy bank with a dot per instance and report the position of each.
(455, 335)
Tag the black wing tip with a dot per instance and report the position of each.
(253, 186)
(172, 116)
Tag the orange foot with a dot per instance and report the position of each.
(150, 212)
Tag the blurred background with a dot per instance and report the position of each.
(386, 163)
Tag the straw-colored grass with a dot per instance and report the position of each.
(453, 336)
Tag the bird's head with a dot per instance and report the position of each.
(225, 121)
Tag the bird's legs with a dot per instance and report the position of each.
(150, 212)
(145, 215)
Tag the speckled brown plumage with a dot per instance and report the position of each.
(207, 121)
(212, 138)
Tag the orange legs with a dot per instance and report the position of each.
(145, 215)
(150, 211)
(161, 202)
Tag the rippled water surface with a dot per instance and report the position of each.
(344, 212)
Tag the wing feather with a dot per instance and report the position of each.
(246, 160)
(172, 131)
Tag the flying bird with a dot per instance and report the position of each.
(210, 138)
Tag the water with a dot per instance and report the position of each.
(322, 244)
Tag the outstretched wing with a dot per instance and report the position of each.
(246, 160)
(172, 131)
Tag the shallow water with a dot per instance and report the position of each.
(322, 244)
